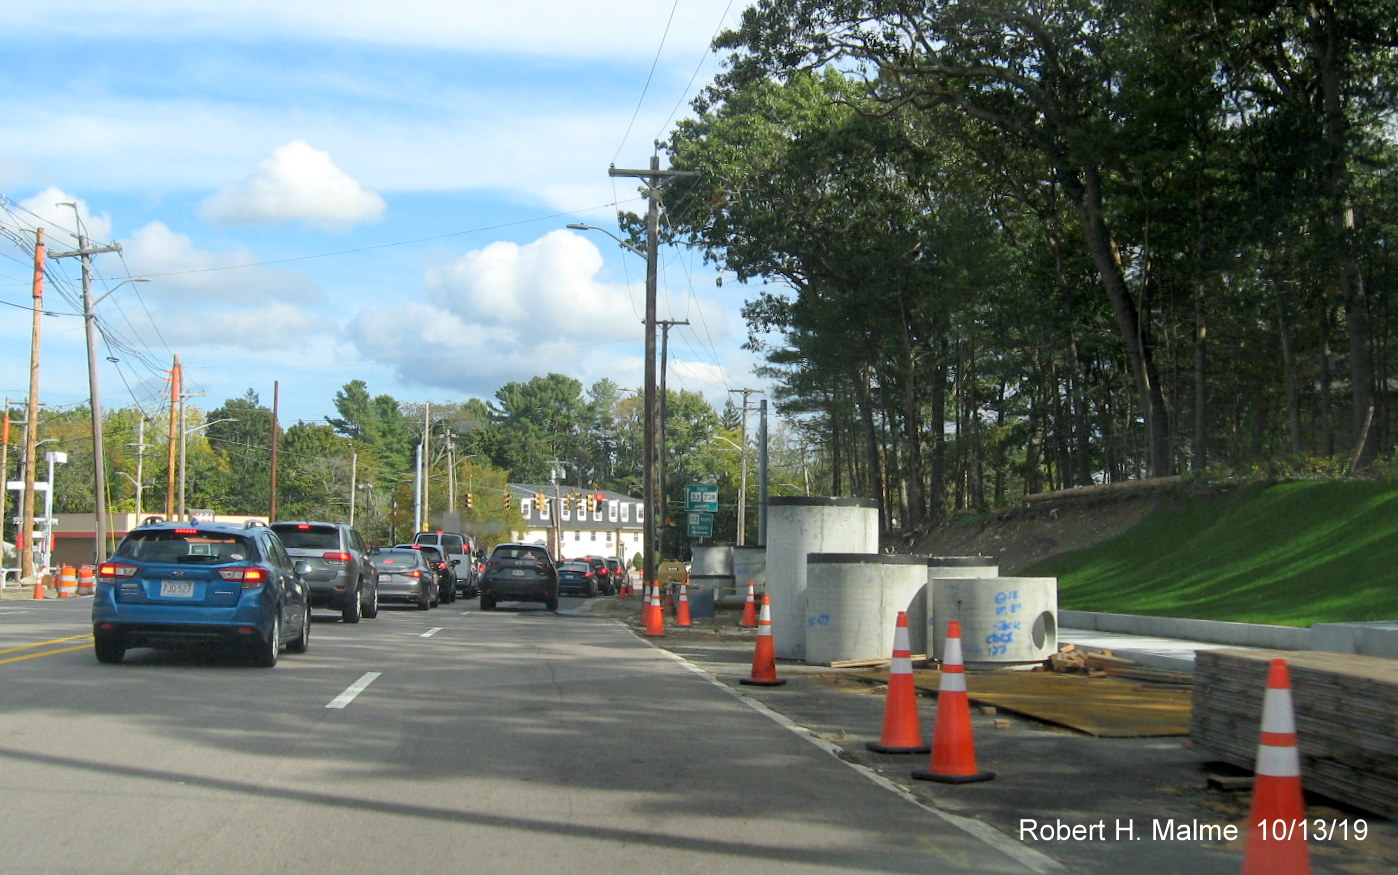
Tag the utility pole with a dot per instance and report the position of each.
(99, 455)
(665, 325)
(762, 472)
(31, 425)
(276, 404)
(4, 477)
(426, 468)
(743, 475)
(140, 462)
(176, 431)
(654, 178)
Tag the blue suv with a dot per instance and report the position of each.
(171, 584)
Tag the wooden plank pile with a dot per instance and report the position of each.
(1346, 710)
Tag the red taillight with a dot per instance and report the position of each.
(335, 557)
(186, 531)
(587, 574)
(304, 527)
(250, 578)
(414, 573)
(115, 570)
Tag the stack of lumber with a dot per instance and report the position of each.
(1346, 710)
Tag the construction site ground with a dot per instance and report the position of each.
(1067, 750)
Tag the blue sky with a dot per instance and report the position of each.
(329, 190)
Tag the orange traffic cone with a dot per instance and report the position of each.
(1280, 845)
(87, 581)
(953, 749)
(749, 609)
(39, 592)
(901, 731)
(764, 656)
(682, 617)
(655, 620)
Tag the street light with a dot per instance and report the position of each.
(99, 455)
(183, 434)
(52, 457)
(649, 479)
(742, 488)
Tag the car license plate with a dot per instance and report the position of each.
(516, 572)
(177, 589)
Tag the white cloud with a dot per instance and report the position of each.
(547, 288)
(297, 183)
(277, 326)
(60, 224)
(182, 272)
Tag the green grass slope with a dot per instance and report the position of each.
(1290, 554)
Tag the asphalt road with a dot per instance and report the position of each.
(445, 741)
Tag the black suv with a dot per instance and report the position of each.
(340, 575)
(519, 573)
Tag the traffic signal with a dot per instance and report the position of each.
(539, 501)
(507, 501)
(591, 503)
(601, 499)
(470, 501)
(578, 501)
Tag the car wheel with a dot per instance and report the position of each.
(266, 649)
(424, 601)
(109, 650)
(487, 603)
(352, 611)
(303, 641)
(552, 603)
(371, 610)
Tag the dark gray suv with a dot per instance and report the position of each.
(519, 573)
(340, 576)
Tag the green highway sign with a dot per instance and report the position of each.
(701, 524)
(701, 496)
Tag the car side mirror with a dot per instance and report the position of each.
(302, 567)
(455, 562)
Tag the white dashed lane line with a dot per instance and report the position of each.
(430, 632)
(354, 689)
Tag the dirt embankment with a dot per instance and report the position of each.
(1019, 538)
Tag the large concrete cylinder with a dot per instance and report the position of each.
(749, 564)
(938, 568)
(1004, 620)
(853, 600)
(796, 527)
(711, 568)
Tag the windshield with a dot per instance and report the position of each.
(185, 546)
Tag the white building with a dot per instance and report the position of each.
(574, 523)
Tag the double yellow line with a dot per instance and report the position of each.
(86, 639)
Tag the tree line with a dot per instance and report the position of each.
(366, 455)
(1017, 246)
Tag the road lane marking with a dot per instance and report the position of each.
(46, 653)
(87, 637)
(354, 689)
(1030, 858)
(430, 632)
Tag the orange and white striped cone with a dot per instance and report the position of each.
(39, 592)
(749, 609)
(682, 618)
(764, 655)
(953, 748)
(1276, 840)
(902, 733)
(67, 582)
(655, 620)
(87, 580)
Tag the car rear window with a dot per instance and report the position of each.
(309, 537)
(575, 566)
(524, 554)
(191, 547)
(393, 560)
